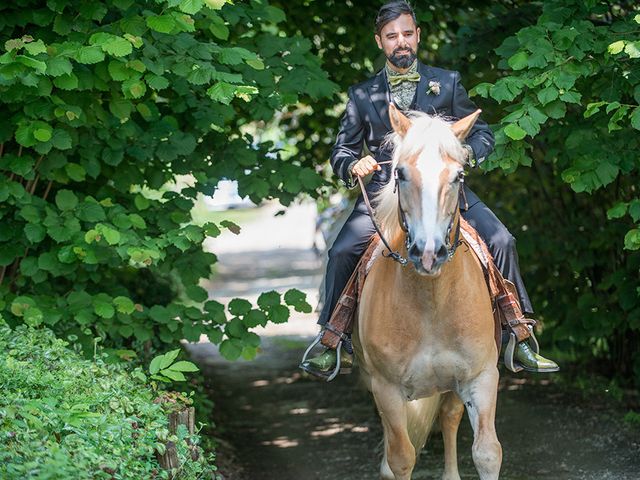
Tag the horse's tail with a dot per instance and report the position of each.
(421, 415)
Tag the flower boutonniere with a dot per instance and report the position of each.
(434, 87)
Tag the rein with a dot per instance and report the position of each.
(450, 246)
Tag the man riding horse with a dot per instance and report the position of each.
(410, 85)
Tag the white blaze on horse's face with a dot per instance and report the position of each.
(429, 163)
(429, 189)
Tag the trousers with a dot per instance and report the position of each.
(358, 229)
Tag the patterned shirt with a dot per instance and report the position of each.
(403, 92)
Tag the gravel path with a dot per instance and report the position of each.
(285, 426)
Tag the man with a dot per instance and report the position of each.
(411, 85)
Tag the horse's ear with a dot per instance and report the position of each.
(463, 126)
(399, 121)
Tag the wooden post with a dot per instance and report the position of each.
(184, 417)
(169, 460)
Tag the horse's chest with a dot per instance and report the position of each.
(434, 372)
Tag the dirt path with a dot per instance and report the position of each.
(284, 426)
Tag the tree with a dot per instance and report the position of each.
(104, 101)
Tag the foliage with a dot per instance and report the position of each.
(165, 368)
(65, 417)
(105, 101)
(572, 87)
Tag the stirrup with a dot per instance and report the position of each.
(509, 352)
(313, 344)
(510, 349)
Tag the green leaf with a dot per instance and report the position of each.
(547, 95)
(298, 300)
(57, 66)
(154, 366)
(161, 23)
(66, 200)
(124, 305)
(183, 366)
(197, 294)
(43, 134)
(173, 375)
(519, 60)
(66, 82)
(634, 210)
(191, 6)
(617, 211)
(232, 227)
(34, 48)
(90, 55)
(239, 306)
(635, 118)
(616, 47)
(157, 82)
(632, 239)
(34, 232)
(215, 4)
(61, 140)
(514, 132)
(219, 30)
(222, 92)
(230, 350)
(592, 109)
(33, 316)
(168, 358)
(134, 88)
(76, 172)
(103, 308)
(118, 47)
(268, 300)
(255, 318)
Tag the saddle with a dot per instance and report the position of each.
(507, 312)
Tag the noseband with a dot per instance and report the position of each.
(394, 255)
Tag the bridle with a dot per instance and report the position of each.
(450, 245)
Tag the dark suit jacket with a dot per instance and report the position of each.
(366, 121)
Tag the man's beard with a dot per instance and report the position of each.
(402, 61)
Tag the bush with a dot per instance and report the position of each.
(65, 417)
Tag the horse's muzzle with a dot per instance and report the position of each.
(428, 261)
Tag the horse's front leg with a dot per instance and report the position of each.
(480, 398)
(399, 454)
(451, 413)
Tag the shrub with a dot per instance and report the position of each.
(65, 417)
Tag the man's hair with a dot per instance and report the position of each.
(392, 10)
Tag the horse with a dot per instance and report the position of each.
(424, 337)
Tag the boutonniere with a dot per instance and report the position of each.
(434, 87)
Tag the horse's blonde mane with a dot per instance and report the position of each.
(430, 134)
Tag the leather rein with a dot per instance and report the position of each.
(395, 255)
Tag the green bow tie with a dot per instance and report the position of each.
(405, 77)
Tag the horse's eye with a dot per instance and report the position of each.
(401, 174)
(459, 177)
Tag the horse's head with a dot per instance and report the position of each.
(429, 162)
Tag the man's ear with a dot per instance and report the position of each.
(399, 122)
(463, 126)
(378, 41)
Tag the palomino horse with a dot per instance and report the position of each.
(425, 335)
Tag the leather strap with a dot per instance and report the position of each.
(392, 254)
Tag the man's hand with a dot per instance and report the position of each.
(365, 166)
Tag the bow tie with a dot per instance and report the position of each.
(405, 77)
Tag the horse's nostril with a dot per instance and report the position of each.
(442, 253)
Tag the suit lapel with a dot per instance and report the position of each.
(380, 96)
(424, 98)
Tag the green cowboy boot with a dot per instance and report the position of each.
(324, 365)
(530, 361)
